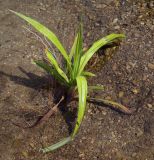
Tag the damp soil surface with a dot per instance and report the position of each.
(26, 94)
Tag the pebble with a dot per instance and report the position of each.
(88, 34)
(25, 154)
(149, 105)
(92, 141)
(121, 94)
(145, 77)
(100, 6)
(114, 67)
(32, 145)
(135, 91)
(117, 27)
(134, 154)
(81, 155)
(108, 97)
(139, 133)
(151, 66)
(115, 21)
(104, 113)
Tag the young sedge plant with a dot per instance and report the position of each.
(73, 76)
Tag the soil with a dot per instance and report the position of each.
(25, 93)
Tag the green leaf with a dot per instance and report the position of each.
(47, 33)
(88, 74)
(55, 65)
(96, 87)
(97, 45)
(113, 104)
(51, 71)
(72, 52)
(78, 52)
(82, 90)
(44, 66)
(57, 145)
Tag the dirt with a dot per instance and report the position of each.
(128, 78)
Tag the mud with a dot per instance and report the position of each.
(128, 78)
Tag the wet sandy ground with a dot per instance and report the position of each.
(128, 78)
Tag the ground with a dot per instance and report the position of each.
(128, 77)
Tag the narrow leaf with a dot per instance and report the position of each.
(113, 104)
(97, 45)
(72, 52)
(82, 90)
(96, 87)
(55, 65)
(57, 145)
(88, 74)
(44, 66)
(50, 70)
(47, 33)
(78, 52)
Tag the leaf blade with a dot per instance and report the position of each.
(72, 52)
(47, 33)
(97, 45)
(57, 145)
(50, 70)
(113, 104)
(82, 90)
(55, 65)
(78, 52)
(90, 74)
(96, 87)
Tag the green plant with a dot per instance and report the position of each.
(73, 75)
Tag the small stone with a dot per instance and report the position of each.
(117, 27)
(139, 133)
(100, 6)
(108, 98)
(25, 154)
(81, 155)
(97, 24)
(135, 91)
(151, 66)
(145, 77)
(91, 17)
(113, 135)
(115, 21)
(134, 154)
(32, 145)
(114, 67)
(83, 138)
(89, 110)
(149, 105)
(104, 113)
(140, 17)
(92, 141)
(88, 34)
(121, 94)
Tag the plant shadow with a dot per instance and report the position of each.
(69, 115)
(44, 82)
(32, 81)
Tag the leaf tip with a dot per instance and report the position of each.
(33, 61)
